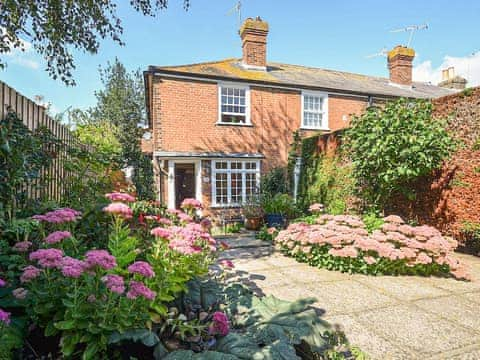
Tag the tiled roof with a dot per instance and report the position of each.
(309, 77)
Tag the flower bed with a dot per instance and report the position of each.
(150, 290)
(342, 243)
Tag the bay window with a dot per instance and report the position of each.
(234, 181)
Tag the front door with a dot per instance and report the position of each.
(184, 182)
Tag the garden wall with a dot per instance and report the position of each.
(451, 197)
(53, 183)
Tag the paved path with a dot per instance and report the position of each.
(387, 317)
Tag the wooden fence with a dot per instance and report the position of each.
(54, 182)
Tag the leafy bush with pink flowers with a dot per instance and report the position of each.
(83, 295)
(343, 243)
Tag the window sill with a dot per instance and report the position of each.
(219, 206)
(314, 128)
(233, 124)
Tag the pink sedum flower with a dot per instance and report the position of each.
(226, 263)
(100, 258)
(30, 272)
(22, 246)
(3, 283)
(370, 260)
(47, 258)
(191, 203)
(138, 288)
(115, 283)
(20, 293)
(57, 236)
(141, 268)
(118, 196)
(161, 233)
(271, 230)
(4, 317)
(119, 209)
(73, 268)
(220, 325)
(164, 221)
(59, 216)
(185, 218)
(316, 208)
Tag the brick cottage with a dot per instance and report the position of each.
(217, 126)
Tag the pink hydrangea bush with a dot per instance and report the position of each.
(342, 243)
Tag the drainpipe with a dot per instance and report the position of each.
(296, 177)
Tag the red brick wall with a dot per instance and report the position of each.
(184, 114)
(452, 195)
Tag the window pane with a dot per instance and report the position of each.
(236, 187)
(221, 188)
(233, 100)
(235, 119)
(220, 165)
(250, 185)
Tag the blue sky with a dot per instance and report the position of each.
(329, 34)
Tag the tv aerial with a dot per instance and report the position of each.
(411, 29)
(237, 9)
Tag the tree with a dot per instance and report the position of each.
(121, 106)
(54, 27)
(394, 145)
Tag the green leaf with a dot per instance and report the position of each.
(91, 350)
(145, 336)
(65, 325)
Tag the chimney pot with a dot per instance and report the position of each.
(400, 60)
(254, 43)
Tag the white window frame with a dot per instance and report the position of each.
(324, 112)
(247, 103)
(229, 171)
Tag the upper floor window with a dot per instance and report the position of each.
(314, 110)
(234, 104)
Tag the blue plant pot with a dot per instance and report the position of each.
(275, 220)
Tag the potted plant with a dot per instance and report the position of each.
(253, 213)
(278, 209)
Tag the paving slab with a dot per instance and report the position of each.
(403, 288)
(417, 330)
(387, 317)
(345, 297)
(455, 308)
(473, 297)
(364, 338)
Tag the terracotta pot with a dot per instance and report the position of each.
(253, 223)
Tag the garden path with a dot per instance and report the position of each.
(387, 317)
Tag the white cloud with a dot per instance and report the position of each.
(23, 56)
(467, 67)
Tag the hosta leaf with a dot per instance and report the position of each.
(146, 337)
(190, 355)
(279, 350)
(242, 347)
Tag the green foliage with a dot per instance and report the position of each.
(279, 203)
(23, 154)
(103, 136)
(120, 110)
(326, 180)
(373, 221)
(392, 146)
(318, 256)
(274, 182)
(266, 328)
(265, 234)
(471, 233)
(55, 30)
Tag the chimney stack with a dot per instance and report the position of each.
(400, 60)
(254, 43)
(450, 81)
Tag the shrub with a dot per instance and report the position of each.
(328, 180)
(392, 146)
(342, 243)
(471, 233)
(279, 204)
(274, 182)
